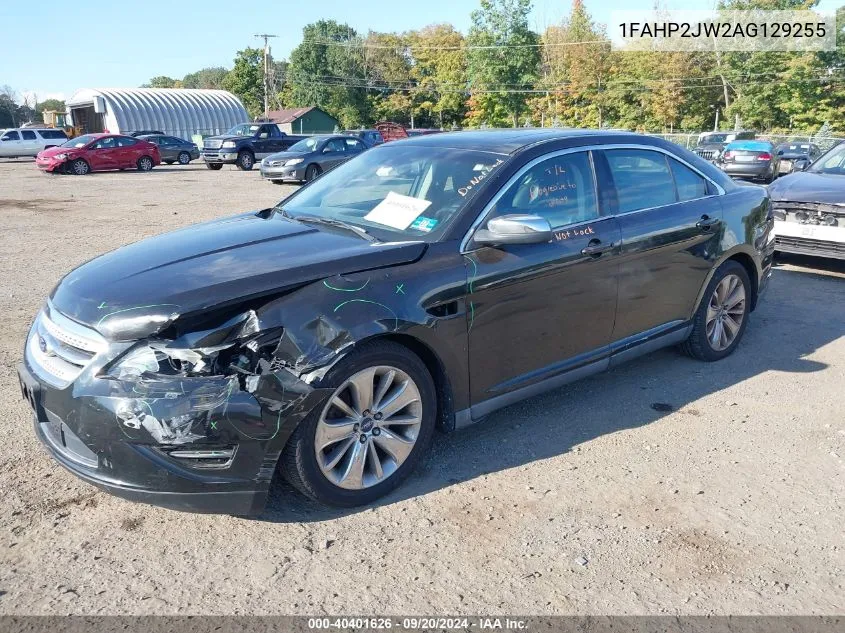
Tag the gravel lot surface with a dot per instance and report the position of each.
(584, 500)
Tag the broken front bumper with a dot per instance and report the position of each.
(199, 444)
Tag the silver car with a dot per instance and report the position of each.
(310, 157)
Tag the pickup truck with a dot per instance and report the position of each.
(244, 144)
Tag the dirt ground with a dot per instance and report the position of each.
(583, 501)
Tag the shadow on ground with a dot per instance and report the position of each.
(805, 302)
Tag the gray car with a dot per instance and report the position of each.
(310, 157)
(173, 149)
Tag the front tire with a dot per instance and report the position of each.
(721, 319)
(370, 434)
(214, 166)
(80, 167)
(245, 161)
(184, 158)
(145, 163)
(312, 172)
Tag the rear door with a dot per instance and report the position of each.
(30, 143)
(670, 221)
(128, 152)
(538, 311)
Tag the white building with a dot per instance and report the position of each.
(177, 111)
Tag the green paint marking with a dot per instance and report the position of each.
(471, 316)
(330, 287)
(376, 303)
(214, 425)
(101, 306)
(400, 289)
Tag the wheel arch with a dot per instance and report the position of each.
(746, 260)
(432, 362)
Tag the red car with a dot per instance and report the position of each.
(99, 152)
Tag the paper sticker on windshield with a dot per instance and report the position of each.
(424, 224)
(397, 211)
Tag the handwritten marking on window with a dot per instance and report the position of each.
(475, 180)
(568, 234)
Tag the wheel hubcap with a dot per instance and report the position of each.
(368, 428)
(184, 158)
(725, 312)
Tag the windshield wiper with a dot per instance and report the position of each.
(315, 219)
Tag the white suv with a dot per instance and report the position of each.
(25, 141)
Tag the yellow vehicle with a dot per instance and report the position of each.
(59, 120)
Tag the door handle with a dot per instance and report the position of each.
(595, 248)
(706, 223)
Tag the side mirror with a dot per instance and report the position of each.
(800, 165)
(515, 229)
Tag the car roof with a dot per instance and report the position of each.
(504, 141)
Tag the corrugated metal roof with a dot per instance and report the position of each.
(289, 115)
(178, 111)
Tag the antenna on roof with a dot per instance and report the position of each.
(266, 37)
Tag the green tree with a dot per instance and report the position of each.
(327, 70)
(439, 70)
(503, 59)
(162, 81)
(246, 80)
(209, 78)
(51, 104)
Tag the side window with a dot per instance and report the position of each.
(689, 184)
(105, 143)
(11, 136)
(642, 179)
(125, 141)
(353, 146)
(28, 135)
(335, 145)
(560, 189)
(172, 140)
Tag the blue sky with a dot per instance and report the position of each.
(118, 44)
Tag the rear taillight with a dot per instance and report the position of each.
(727, 155)
(764, 156)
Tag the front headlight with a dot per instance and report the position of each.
(228, 144)
(60, 156)
(293, 161)
(155, 358)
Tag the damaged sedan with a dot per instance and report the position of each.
(424, 284)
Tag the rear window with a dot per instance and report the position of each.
(689, 184)
(125, 141)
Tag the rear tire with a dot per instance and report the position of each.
(214, 166)
(145, 163)
(245, 161)
(722, 316)
(184, 158)
(79, 167)
(312, 172)
(300, 461)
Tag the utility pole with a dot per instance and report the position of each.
(266, 37)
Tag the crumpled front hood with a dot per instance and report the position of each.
(806, 186)
(54, 151)
(139, 289)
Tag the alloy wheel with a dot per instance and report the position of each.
(725, 312)
(146, 164)
(80, 167)
(368, 428)
(184, 158)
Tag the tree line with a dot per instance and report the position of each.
(502, 73)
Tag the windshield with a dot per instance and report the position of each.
(80, 141)
(716, 138)
(397, 191)
(244, 129)
(305, 145)
(831, 163)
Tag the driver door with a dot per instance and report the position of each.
(540, 312)
(334, 153)
(104, 154)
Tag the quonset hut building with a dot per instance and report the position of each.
(176, 111)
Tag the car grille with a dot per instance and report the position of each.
(809, 213)
(707, 154)
(59, 349)
(809, 247)
(211, 144)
